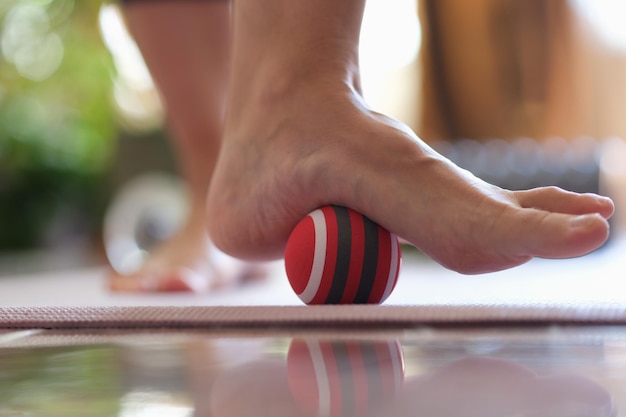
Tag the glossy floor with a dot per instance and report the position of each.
(430, 372)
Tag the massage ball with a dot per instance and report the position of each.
(336, 255)
(344, 378)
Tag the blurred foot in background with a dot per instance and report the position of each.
(193, 84)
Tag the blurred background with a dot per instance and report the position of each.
(521, 92)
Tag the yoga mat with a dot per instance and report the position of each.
(351, 316)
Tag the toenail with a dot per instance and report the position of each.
(582, 221)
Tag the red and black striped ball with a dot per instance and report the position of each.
(344, 378)
(336, 255)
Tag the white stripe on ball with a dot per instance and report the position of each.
(319, 257)
(393, 267)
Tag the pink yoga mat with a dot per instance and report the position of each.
(352, 316)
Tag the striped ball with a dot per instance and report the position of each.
(344, 379)
(338, 256)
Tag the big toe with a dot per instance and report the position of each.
(557, 235)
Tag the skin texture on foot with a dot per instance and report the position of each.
(340, 152)
(299, 136)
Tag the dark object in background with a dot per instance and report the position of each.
(43, 207)
(527, 163)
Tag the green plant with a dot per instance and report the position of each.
(57, 124)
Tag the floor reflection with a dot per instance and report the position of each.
(344, 378)
(59, 381)
(333, 375)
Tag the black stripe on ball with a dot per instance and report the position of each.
(344, 250)
(370, 262)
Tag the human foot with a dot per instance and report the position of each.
(187, 48)
(187, 262)
(299, 136)
(318, 146)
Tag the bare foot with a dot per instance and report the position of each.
(315, 149)
(187, 262)
(309, 145)
(298, 136)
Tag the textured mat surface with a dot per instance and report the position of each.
(295, 316)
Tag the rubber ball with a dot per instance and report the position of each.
(336, 255)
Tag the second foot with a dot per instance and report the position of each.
(187, 262)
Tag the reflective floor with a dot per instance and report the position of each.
(499, 372)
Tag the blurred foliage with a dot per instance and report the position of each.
(57, 123)
(59, 382)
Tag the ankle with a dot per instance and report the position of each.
(274, 85)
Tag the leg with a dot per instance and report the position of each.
(186, 45)
(298, 135)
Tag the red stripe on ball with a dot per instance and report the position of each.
(299, 255)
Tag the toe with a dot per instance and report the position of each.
(557, 235)
(553, 199)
